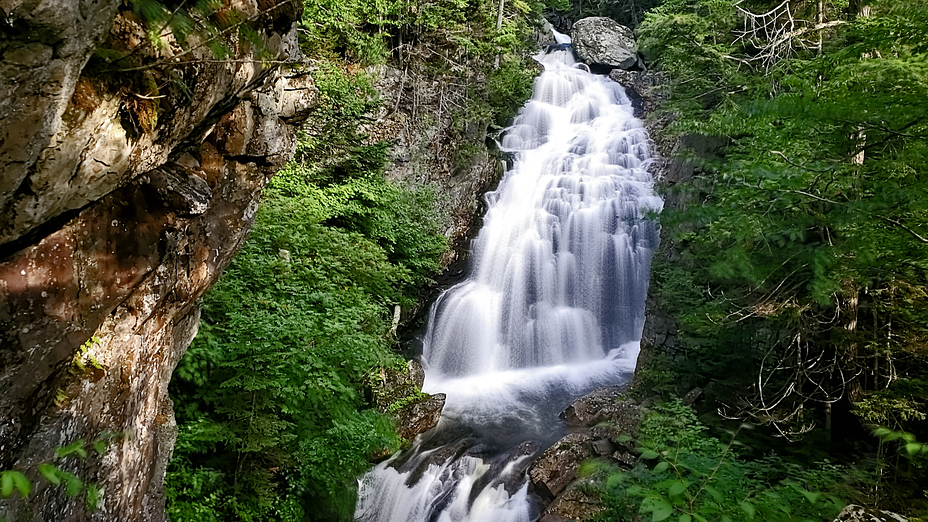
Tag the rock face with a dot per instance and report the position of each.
(602, 426)
(604, 42)
(399, 393)
(854, 513)
(427, 151)
(120, 204)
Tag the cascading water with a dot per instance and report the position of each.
(553, 306)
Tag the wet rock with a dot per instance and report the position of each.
(420, 416)
(606, 406)
(390, 385)
(577, 502)
(544, 35)
(692, 396)
(625, 459)
(855, 513)
(398, 392)
(604, 42)
(558, 465)
(604, 447)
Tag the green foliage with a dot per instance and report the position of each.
(82, 359)
(406, 401)
(268, 395)
(562, 13)
(686, 474)
(799, 280)
(200, 23)
(14, 481)
(273, 423)
(813, 209)
(11, 481)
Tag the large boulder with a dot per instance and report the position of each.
(559, 465)
(603, 42)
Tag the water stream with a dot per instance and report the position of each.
(553, 306)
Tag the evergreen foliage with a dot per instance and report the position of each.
(801, 238)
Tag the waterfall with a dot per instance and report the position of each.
(552, 307)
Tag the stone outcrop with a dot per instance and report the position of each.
(855, 513)
(399, 394)
(125, 191)
(602, 426)
(601, 41)
(428, 151)
(419, 416)
(559, 465)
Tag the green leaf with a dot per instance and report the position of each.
(6, 484)
(715, 493)
(73, 485)
(677, 488)
(661, 510)
(93, 496)
(811, 496)
(75, 448)
(22, 483)
(50, 472)
(649, 455)
(661, 466)
(685, 518)
(748, 508)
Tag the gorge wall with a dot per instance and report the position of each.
(125, 189)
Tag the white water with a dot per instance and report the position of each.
(553, 306)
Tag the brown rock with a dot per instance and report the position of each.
(102, 235)
(420, 416)
(607, 412)
(389, 385)
(559, 464)
(575, 503)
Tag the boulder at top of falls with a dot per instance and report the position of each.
(603, 41)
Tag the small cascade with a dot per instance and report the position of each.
(553, 305)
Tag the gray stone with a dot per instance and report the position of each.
(181, 189)
(855, 513)
(575, 503)
(607, 412)
(603, 41)
(558, 465)
(420, 416)
(692, 396)
(604, 447)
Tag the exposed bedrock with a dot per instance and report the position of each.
(124, 192)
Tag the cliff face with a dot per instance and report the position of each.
(417, 118)
(124, 192)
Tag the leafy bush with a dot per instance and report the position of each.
(695, 476)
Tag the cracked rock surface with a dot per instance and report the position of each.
(124, 193)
